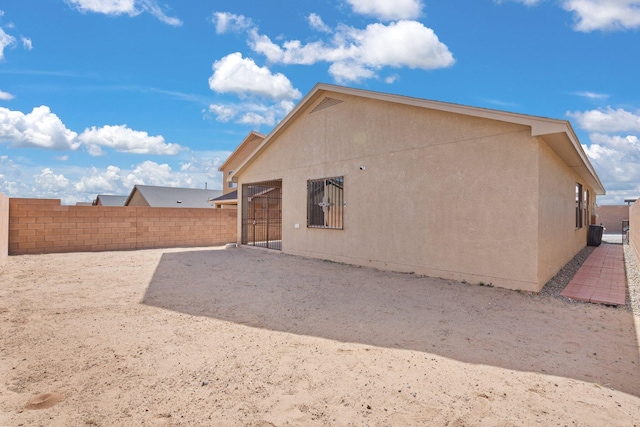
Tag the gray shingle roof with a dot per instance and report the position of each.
(172, 197)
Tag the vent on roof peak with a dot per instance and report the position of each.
(326, 103)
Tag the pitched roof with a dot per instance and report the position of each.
(110, 200)
(558, 134)
(253, 137)
(174, 197)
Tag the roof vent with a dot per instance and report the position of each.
(326, 103)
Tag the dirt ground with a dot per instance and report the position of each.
(246, 337)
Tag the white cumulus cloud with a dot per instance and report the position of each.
(40, 128)
(355, 54)
(6, 40)
(108, 7)
(614, 149)
(104, 181)
(388, 10)
(43, 129)
(605, 15)
(126, 140)
(242, 76)
(48, 182)
(316, 22)
(6, 96)
(229, 22)
(252, 113)
(124, 7)
(598, 15)
(607, 120)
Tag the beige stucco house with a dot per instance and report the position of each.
(413, 185)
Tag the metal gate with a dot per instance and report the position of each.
(262, 214)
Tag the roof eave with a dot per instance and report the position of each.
(540, 126)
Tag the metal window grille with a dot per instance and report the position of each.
(579, 203)
(325, 203)
(262, 214)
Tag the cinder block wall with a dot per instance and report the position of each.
(634, 228)
(611, 217)
(38, 226)
(4, 227)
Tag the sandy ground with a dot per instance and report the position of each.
(246, 337)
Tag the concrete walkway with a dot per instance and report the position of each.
(601, 278)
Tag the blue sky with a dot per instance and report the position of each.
(99, 95)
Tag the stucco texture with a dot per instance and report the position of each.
(426, 191)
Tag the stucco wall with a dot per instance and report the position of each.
(457, 201)
(558, 238)
(39, 226)
(239, 156)
(634, 228)
(611, 217)
(4, 227)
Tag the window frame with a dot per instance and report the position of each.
(579, 210)
(331, 202)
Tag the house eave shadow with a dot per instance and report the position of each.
(360, 305)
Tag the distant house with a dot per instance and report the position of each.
(226, 200)
(413, 185)
(109, 200)
(171, 197)
(229, 194)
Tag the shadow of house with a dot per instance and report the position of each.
(344, 303)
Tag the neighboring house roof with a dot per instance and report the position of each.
(253, 138)
(229, 196)
(558, 134)
(173, 197)
(110, 200)
(229, 199)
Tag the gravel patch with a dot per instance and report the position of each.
(564, 276)
(557, 284)
(633, 280)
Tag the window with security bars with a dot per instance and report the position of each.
(579, 206)
(325, 203)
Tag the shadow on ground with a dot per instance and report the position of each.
(469, 323)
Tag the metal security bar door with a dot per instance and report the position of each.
(262, 214)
